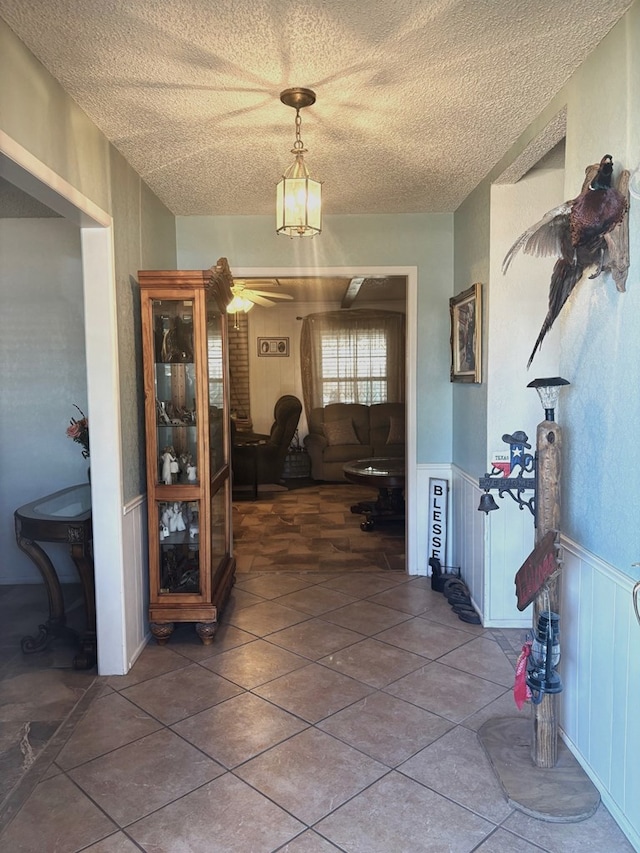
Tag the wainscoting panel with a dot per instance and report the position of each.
(511, 535)
(490, 550)
(469, 535)
(136, 584)
(599, 718)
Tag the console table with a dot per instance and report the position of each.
(388, 476)
(63, 516)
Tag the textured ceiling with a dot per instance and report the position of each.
(416, 99)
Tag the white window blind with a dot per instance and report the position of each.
(354, 356)
(354, 366)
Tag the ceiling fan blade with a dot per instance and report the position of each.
(270, 293)
(259, 282)
(259, 300)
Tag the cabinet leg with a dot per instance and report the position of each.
(206, 631)
(161, 631)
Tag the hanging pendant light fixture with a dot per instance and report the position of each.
(298, 197)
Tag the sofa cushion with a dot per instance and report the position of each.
(340, 432)
(357, 413)
(396, 430)
(380, 428)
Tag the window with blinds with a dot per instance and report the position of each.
(354, 356)
(354, 366)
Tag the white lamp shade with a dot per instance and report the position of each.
(239, 304)
(298, 202)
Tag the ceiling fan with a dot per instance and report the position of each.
(244, 296)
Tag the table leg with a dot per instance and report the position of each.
(254, 453)
(87, 640)
(249, 452)
(55, 626)
(389, 506)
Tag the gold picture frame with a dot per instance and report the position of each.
(273, 347)
(466, 335)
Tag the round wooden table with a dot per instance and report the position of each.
(387, 475)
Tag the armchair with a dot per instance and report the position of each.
(257, 463)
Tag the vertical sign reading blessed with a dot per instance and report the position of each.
(438, 519)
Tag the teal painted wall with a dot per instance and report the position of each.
(421, 240)
(600, 333)
(471, 264)
(38, 114)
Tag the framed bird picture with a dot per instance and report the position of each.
(466, 335)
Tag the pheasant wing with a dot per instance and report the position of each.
(545, 238)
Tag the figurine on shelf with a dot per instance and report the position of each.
(192, 472)
(163, 417)
(168, 461)
(176, 521)
(175, 469)
(164, 531)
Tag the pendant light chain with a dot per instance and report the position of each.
(298, 146)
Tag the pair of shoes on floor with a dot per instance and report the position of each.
(458, 595)
(456, 592)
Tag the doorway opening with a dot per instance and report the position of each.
(317, 289)
(21, 169)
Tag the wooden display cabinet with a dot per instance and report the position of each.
(185, 354)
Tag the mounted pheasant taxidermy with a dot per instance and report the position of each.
(590, 230)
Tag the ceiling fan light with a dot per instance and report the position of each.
(239, 304)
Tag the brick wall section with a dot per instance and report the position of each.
(239, 365)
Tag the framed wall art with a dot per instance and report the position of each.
(273, 346)
(466, 335)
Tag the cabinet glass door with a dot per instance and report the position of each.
(175, 392)
(179, 532)
(215, 373)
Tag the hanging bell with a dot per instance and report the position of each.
(487, 503)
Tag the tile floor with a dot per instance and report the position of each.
(335, 711)
(312, 526)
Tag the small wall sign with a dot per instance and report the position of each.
(273, 346)
(437, 544)
(536, 570)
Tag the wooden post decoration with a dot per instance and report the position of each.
(544, 747)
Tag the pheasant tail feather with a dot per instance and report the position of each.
(564, 278)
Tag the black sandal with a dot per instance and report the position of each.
(471, 617)
(454, 585)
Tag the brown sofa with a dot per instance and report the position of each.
(341, 432)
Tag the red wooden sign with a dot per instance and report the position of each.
(536, 570)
